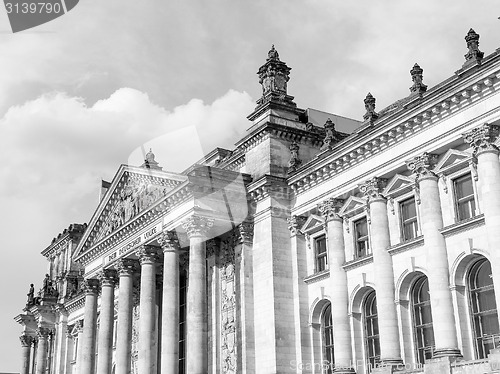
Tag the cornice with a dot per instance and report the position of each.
(463, 226)
(406, 246)
(353, 264)
(75, 303)
(417, 115)
(268, 185)
(325, 274)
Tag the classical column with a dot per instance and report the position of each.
(124, 328)
(70, 345)
(108, 281)
(443, 317)
(60, 348)
(26, 342)
(79, 329)
(197, 228)
(338, 281)
(148, 257)
(482, 141)
(170, 303)
(390, 350)
(86, 364)
(42, 349)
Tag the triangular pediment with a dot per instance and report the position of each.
(132, 191)
(312, 224)
(451, 161)
(398, 185)
(352, 206)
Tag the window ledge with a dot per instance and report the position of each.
(463, 225)
(316, 277)
(407, 245)
(358, 262)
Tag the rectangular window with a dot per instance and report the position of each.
(362, 247)
(465, 202)
(408, 214)
(320, 253)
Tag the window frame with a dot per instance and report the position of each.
(371, 361)
(417, 328)
(324, 347)
(368, 251)
(453, 179)
(402, 199)
(315, 239)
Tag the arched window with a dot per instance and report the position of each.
(327, 327)
(372, 339)
(422, 320)
(483, 308)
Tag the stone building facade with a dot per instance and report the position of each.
(318, 244)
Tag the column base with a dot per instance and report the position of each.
(447, 352)
(343, 370)
(440, 365)
(389, 366)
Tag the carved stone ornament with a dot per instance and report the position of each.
(331, 135)
(147, 254)
(417, 78)
(108, 277)
(169, 241)
(295, 223)
(197, 226)
(370, 114)
(125, 267)
(422, 165)
(482, 138)
(79, 326)
(90, 286)
(474, 54)
(26, 340)
(211, 248)
(150, 162)
(43, 332)
(295, 161)
(246, 232)
(330, 208)
(372, 189)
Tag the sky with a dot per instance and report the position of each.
(96, 87)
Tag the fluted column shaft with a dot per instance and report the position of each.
(42, 350)
(124, 326)
(390, 350)
(26, 342)
(488, 169)
(105, 342)
(196, 300)
(170, 304)
(338, 289)
(87, 359)
(443, 317)
(148, 257)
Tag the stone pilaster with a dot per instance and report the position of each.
(108, 279)
(148, 257)
(69, 352)
(87, 359)
(79, 329)
(197, 228)
(42, 349)
(60, 348)
(170, 303)
(244, 298)
(26, 342)
(482, 141)
(338, 281)
(126, 268)
(443, 317)
(390, 351)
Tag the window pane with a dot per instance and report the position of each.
(464, 186)
(464, 197)
(422, 319)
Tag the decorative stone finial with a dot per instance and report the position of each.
(273, 54)
(370, 114)
(330, 135)
(417, 78)
(474, 55)
(150, 162)
(294, 162)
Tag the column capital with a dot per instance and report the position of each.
(295, 223)
(69, 331)
(169, 241)
(125, 267)
(372, 188)
(79, 326)
(245, 231)
(108, 277)
(196, 225)
(422, 165)
(90, 286)
(148, 254)
(330, 209)
(26, 340)
(482, 138)
(43, 332)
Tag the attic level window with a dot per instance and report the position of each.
(320, 253)
(362, 247)
(465, 202)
